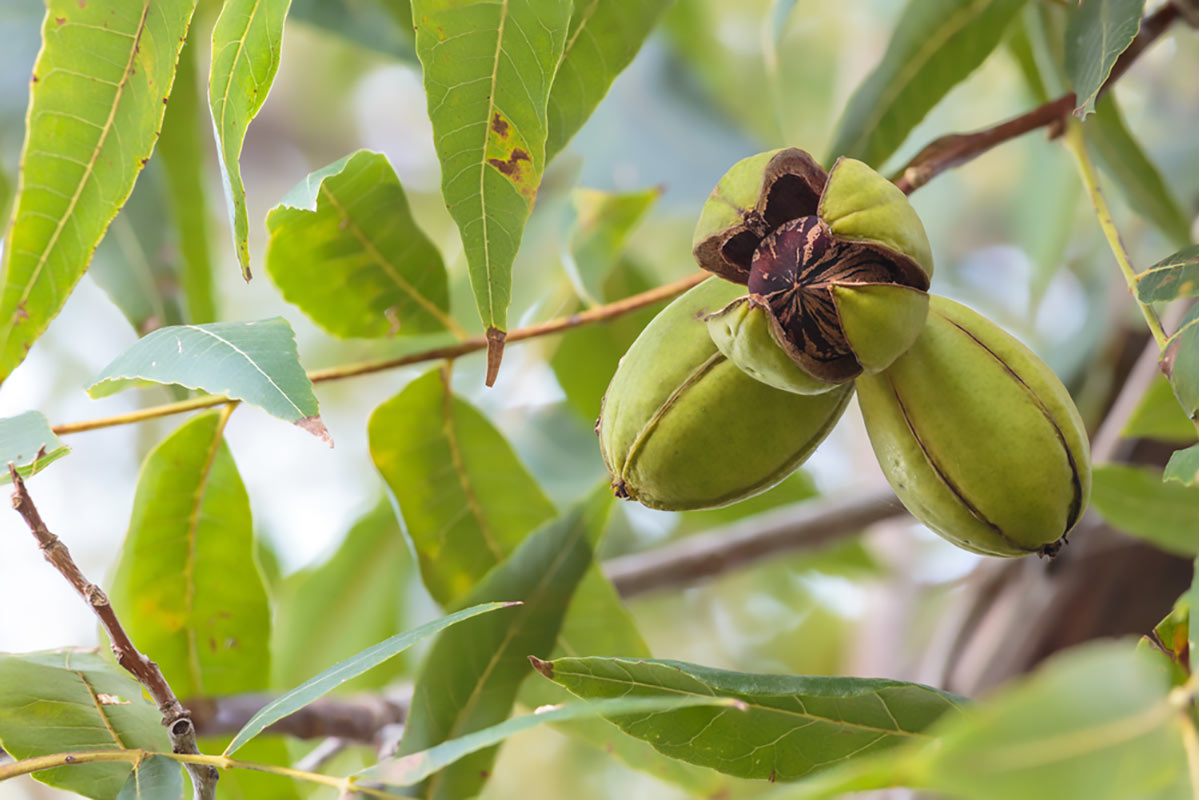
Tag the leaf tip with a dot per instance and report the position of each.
(495, 353)
(316, 427)
(546, 668)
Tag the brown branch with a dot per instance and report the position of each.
(591, 315)
(174, 716)
(356, 719)
(956, 149)
(707, 554)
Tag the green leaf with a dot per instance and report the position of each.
(21, 441)
(488, 67)
(794, 725)
(597, 623)
(465, 498)
(136, 263)
(184, 157)
(1183, 466)
(100, 87)
(249, 784)
(348, 603)
(1182, 356)
(252, 361)
(1121, 156)
(413, 768)
(604, 36)
(155, 778)
(246, 41)
(1158, 416)
(1192, 596)
(1172, 639)
(1098, 32)
(603, 222)
(320, 685)
(1094, 723)
(186, 586)
(345, 249)
(470, 678)
(382, 25)
(586, 358)
(1173, 277)
(71, 700)
(935, 45)
(1136, 501)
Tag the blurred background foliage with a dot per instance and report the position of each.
(1011, 232)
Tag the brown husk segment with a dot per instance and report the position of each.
(792, 272)
(791, 185)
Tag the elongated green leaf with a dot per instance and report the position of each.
(71, 700)
(348, 603)
(413, 768)
(100, 84)
(246, 41)
(488, 68)
(345, 249)
(252, 361)
(1192, 596)
(1098, 32)
(472, 673)
(155, 778)
(936, 44)
(1182, 355)
(1121, 156)
(603, 222)
(465, 498)
(136, 264)
(21, 441)
(604, 36)
(1158, 416)
(320, 685)
(1094, 723)
(1136, 501)
(184, 156)
(1173, 277)
(186, 586)
(793, 725)
(598, 624)
(1183, 466)
(383, 25)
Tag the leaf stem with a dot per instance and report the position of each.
(38, 763)
(475, 344)
(1077, 146)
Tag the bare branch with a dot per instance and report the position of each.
(174, 716)
(956, 149)
(355, 719)
(704, 555)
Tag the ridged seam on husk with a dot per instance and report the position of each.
(1075, 510)
(941, 476)
(621, 484)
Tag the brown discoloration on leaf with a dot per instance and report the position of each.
(512, 166)
(60, 20)
(495, 353)
(499, 125)
(546, 668)
(317, 428)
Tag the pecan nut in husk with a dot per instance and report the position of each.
(978, 437)
(837, 266)
(682, 427)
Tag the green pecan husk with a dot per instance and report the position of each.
(836, 266)
(978, 437)
(682, 427)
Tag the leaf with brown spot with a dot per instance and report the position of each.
(488, 70)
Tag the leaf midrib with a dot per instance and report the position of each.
(752, 705)
(89, 168)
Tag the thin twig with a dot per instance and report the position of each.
(957, 148)
(356, 719)
(591, 315)
(704, 555)
(174, 716)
